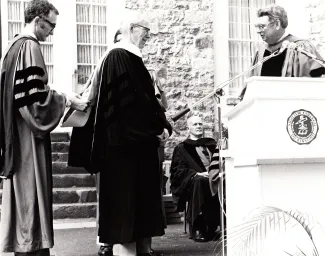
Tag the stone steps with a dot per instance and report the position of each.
(74, 189)
(172, 217)
(59, 157)
(63, 168)
(74, 211)
(60, 146)
(74, 195)
(60, 137)
(73, 180)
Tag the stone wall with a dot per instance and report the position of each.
(181, 52)
(316, 12)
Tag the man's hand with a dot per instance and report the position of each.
(78, 103)
(203, 174)
(164, 136)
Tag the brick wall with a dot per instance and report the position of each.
(181, 51)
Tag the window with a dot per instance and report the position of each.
(242, 37)
(91, 18)
(85, 30)
(15, 25)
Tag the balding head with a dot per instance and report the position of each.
(195, 127)
(136, 29)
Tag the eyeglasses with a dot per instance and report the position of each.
(263, 26)
(52, 25)
(139, 26)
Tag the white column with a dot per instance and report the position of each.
(65, 46)
(220, 37)
(221, 49)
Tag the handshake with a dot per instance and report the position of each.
(76, 102)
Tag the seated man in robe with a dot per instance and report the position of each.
(190, 182)
(271, 25)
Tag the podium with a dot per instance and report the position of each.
(276, 154)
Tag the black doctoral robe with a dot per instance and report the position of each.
(120, 141)
(186, 186)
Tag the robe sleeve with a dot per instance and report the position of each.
(180, 172)
(298, 64)
(214, 171)
(39, 106)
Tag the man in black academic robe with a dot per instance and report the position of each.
(190, 182)
(121, 140)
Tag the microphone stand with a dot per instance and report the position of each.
(218, 91)
(222, 211)
(310, 55)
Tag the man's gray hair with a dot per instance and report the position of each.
(132, 18)
(274, 12)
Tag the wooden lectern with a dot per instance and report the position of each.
(276, 154)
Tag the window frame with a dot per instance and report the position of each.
(5, 21)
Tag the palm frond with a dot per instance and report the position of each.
(250, 237)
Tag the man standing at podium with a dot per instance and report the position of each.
(271, 25)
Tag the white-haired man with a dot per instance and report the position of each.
(126, 128)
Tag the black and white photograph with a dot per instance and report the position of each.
(162, 127)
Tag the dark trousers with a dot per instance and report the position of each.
(203, 210)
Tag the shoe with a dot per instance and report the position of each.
(213, 236)
(199, 237)
(106, 250)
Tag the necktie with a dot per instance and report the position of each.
(205, 152)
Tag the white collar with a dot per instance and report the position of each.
(129, 47)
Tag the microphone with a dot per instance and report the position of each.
(294, 46)
(300, 49)
(284, 46)
(297, 48)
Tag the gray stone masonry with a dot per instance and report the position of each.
(316, 11)
(181, 51)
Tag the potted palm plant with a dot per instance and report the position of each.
(270, 231)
